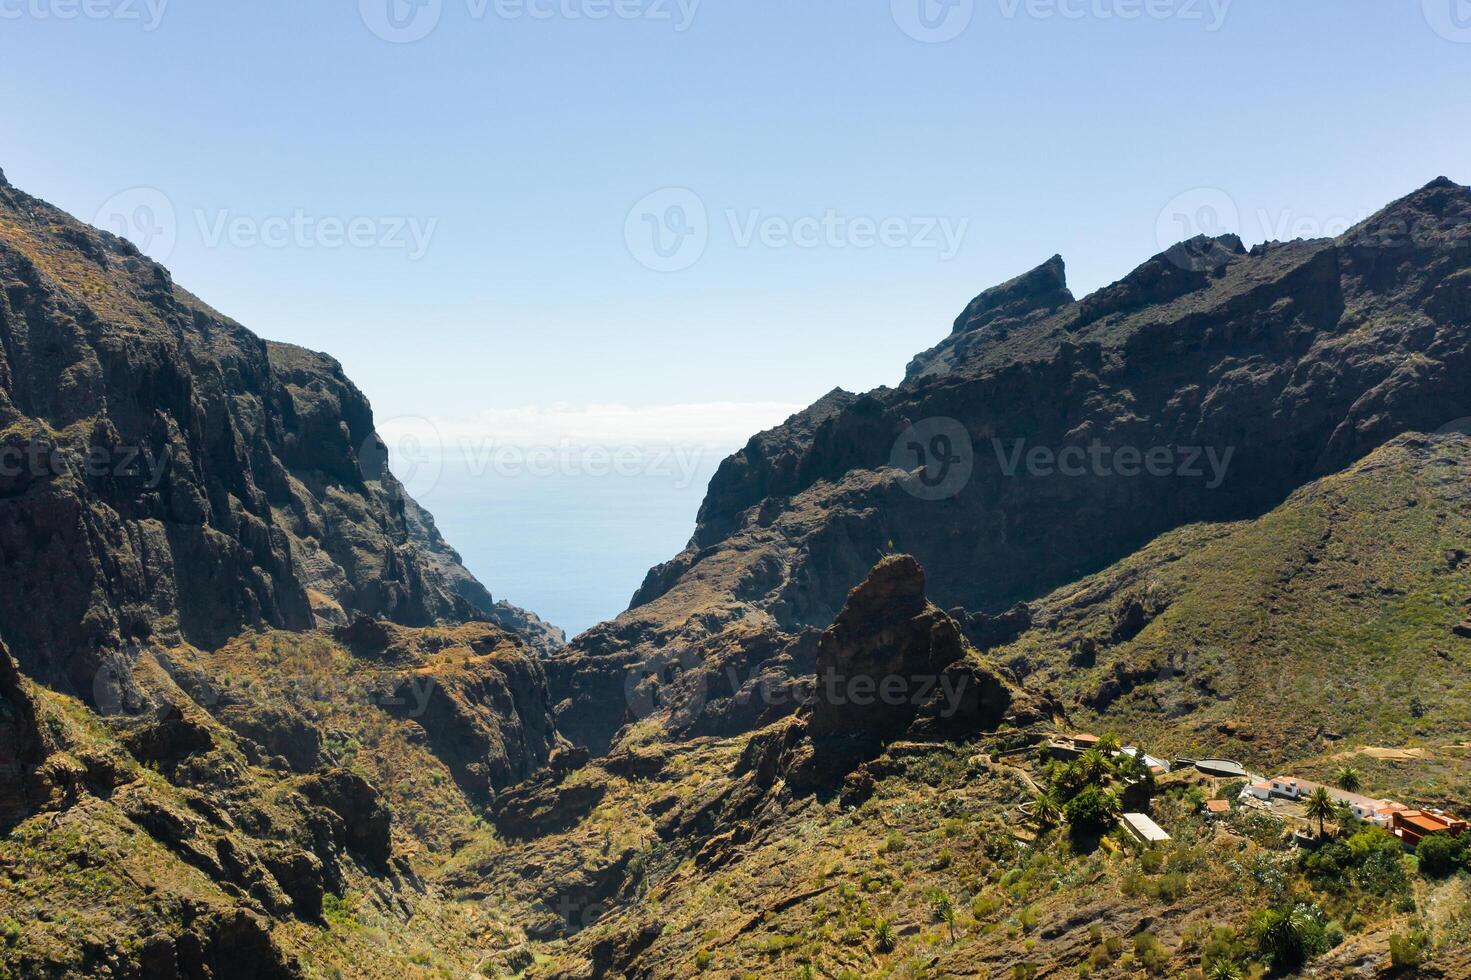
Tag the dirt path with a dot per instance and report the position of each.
(1390, 755)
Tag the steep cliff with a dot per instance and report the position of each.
(254, 692)
(166, 475)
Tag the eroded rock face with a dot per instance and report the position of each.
(167, 475)
(883, 657)
(1254, 372)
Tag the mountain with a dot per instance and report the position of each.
(243, 678)
(258, 721)
(1247, 373)
(173, 477)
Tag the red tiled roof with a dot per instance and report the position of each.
(1218, 806)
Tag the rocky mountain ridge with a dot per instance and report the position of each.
(1226, 378)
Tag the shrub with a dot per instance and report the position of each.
(1441, 855)
(1151, 953)
(1224, 946)
(985, 906)
(1172, 887)
(1330, 862)
(883, 936)
(1410, 950)
(703, 959)
(1383, 873)
(1372, 840)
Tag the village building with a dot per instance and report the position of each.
(1140, 827)
(1216, 809)
(1072, 746)
(1377, 812)
(1413, 826)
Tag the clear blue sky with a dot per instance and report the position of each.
(523, 143)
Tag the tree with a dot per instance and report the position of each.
(1441, 855)
(1110, 744)
(1131, 767)
(1095, 767)
(1348, 779)
(1045, 809)
(1093, 809)
(1320, 806)
(944, 908)
(1290, 937)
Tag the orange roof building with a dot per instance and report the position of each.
(1413, 826)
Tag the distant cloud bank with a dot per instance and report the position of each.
(711, 425)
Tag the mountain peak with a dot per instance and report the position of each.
(1436, 210)
(1043, 288)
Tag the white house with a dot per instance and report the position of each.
(1379, 812)
(1261, 790)
(1143, 829)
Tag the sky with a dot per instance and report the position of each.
(587, 229)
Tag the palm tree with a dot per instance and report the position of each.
(1045, 809)
(945, 909)
(1320, 806)
(1282, 935)
(1348, 779)
(1095, 766)
(1109, 745)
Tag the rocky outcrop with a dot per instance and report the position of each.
(540, 808)
(487, 715)
(891, 666)
(1046, 438)
(167, 475)
(365, 818)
